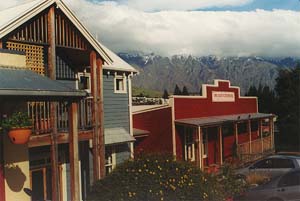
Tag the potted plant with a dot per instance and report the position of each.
(19, 127)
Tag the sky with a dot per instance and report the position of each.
(269, 28)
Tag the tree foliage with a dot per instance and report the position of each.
(185, 91)
(288, 106)
(177, 90)
(165, 95)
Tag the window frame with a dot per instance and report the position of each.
(189, 144)
(84, 74)
(111, 157)
(124, 80)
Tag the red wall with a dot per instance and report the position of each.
(159, 124)
(204, 107)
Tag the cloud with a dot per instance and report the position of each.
(224, 33)
(259, 33)
(155, 5)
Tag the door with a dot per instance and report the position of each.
(289, 187)
(41, 185)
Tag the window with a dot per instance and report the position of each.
(120, 84)
(283, 163)
(84, 81)
(254, 125)
(242, 128)
(290, 179)
(227, 130)
(267, 163)
(110, 159)
(204, 143)
(189, 145)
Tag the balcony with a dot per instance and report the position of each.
(39, 112)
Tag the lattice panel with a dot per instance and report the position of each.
(34, 55)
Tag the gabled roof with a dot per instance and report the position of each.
(14, 17)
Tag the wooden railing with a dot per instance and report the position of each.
(259, 148)
(39, 112)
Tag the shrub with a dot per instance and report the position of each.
(153, 177)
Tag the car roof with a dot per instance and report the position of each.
(284, 156)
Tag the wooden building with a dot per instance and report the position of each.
(79, 133)
(209, 129)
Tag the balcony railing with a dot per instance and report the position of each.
(259, 148)
(39, 112)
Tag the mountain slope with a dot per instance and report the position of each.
(159, 73)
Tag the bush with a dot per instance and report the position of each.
(152, 177)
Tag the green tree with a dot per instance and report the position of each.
(185, 91)
(165, 95)
(288, 107)
(177, 91)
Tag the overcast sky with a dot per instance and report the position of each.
(197, 27)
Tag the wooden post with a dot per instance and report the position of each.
(271, 132)
(250, 137)
(101, 117)
(73, 151)
(2, 179)
(261, 136)
(200, 147)
(220, 144)
(53, 106)
(95, 113)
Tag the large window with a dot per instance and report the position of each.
(227, 130)
(254, 125)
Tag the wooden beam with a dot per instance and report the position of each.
(45, 139)
(100, 116)
(261, 136)
(220, 144)
(250, 137)
(199, 147)
(271, 125)
(53, 106)
(95, 117)
(2, 180)
(236, 134)
(74, 152)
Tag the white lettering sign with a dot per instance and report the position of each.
(223, 96)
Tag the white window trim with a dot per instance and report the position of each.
(124, 84)
(84, 74)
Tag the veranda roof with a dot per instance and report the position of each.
(20, 82)
(117, 136)
(216, 120)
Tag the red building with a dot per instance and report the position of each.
(209, 129)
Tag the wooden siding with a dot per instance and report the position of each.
(116, 111)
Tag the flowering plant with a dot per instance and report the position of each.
(17, 120)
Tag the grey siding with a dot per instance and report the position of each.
(122, 153)
(116, 111)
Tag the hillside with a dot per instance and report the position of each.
(159, 73)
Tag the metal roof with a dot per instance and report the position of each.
(116, 136)
(215, 120)
(13, 17)
(24, 82)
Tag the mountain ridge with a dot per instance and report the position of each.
(160, 72)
